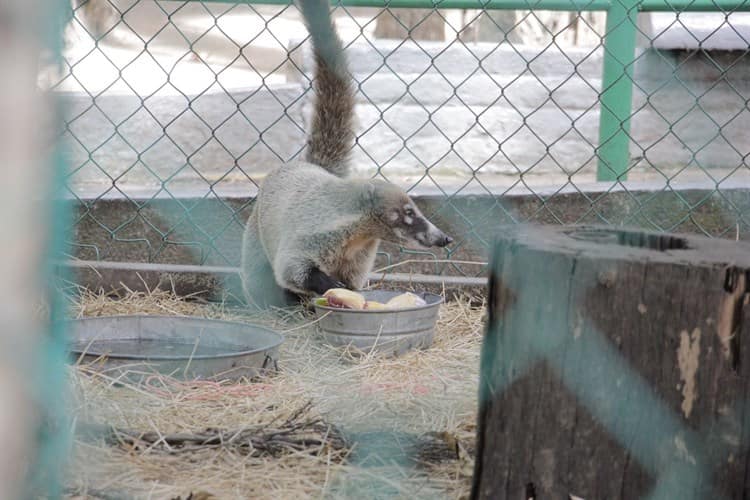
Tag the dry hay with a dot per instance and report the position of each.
(423, 400)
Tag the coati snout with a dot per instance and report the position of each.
(403, 222)
(412, 229)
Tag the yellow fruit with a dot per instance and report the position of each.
(372, 305)
(405, 300)
(347, 299)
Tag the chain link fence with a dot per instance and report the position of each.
(557, 111)
(176, 110)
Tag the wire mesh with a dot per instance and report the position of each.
(176, 110)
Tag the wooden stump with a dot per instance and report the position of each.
(614, 365)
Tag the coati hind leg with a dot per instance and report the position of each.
(258, 281)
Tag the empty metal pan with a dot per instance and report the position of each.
(181, 346)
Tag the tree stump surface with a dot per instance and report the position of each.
(614, 365)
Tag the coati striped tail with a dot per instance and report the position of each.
(330, 141)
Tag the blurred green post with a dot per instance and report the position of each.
(616, 98)
(49, 375)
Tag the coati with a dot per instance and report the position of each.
(312, 227)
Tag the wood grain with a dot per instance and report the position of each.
(614, 365)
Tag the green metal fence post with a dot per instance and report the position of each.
(46, 477)
(617, 90)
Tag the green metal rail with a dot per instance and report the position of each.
(619, 54)
(564, 5)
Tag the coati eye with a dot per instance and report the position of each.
(409, 212)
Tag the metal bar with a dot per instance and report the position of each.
(33, 385)
(562, 5)
(428, 279)
(694, 5)
(112, 275)
(52, 370)
(617, 91)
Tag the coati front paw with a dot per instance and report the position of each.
(319, 282)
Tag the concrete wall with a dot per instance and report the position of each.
(497, 109)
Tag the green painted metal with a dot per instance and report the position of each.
(694, 5)
(562, 5)
(50, 386)
(616, 97)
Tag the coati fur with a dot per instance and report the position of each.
(313, 227)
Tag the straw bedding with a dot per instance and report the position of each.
(329, 424)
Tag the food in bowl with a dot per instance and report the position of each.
(378, 326)
(345, 299)
(348, 299)
(374, 305)
(404, 301)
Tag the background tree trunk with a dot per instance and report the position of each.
(418, 24)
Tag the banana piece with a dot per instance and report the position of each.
(372, 305)
(343, 298)
(405, 300)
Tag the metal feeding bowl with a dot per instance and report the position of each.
(180, 346)
(383, 330)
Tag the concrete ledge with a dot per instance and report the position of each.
(208, 231)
